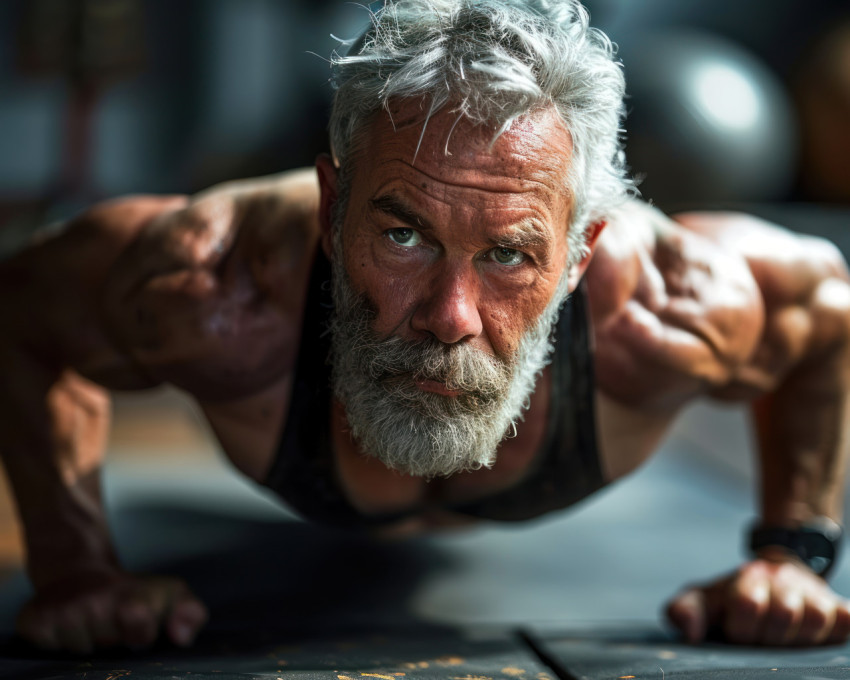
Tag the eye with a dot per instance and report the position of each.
(507, 256)
(404, 236)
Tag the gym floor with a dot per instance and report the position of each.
(577, 595)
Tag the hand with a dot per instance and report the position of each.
(773, 601)
(111, 609)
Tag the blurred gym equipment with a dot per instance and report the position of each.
(821, 87)
(708, 123)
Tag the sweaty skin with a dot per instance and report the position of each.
(462, 241)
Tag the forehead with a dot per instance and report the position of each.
(533, 156)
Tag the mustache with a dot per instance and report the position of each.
(459, 367)
(396, 363)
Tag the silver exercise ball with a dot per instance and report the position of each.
(708, 123)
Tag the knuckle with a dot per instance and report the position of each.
(745, 606)
(786, 573)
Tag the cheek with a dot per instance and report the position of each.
(508, 319)
(388, 292)
(502, 330)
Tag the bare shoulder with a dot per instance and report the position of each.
(675, 312)
(209, 297)
(59, 278)
(804, 285)
(723, 305)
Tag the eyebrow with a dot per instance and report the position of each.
(525, 234)
(394, 207)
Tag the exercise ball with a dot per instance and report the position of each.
(708, 123)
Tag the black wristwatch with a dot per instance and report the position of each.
(816, 542)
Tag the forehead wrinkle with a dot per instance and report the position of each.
(396, 201)
(525, 185)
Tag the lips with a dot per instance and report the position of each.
(436, 387)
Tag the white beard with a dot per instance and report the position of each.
(422, 433)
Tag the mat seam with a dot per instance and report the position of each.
(544, 656)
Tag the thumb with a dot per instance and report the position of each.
(695, 611)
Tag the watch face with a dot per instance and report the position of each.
(817, 551)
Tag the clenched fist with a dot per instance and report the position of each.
(101, 609)
(764, 602)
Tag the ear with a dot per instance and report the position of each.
(327, 172)
(594, 229)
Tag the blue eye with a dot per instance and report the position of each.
(404, 236)
(507, 256)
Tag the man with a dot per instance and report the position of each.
(476, 184)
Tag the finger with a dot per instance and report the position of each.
(158, 593)
(100, 612)
(37, 628)
(72, 631)
(818, 619)
(188, 615)
(137, 623)
(142, 611)
(688, 612)
(784, 616)
(841, 628)
(748, 600)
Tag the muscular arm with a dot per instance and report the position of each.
(732, 307)
(133, 293)
(798, 378)
(209, 299)
(673, 317)
(54, 420)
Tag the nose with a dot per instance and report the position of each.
(449, 308)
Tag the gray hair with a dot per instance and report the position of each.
(493, 61)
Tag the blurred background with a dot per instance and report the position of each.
(729, 101)
(731, 104)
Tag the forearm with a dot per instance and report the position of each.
(802, 430)
(65, 529)
(51, 444)
(59, 349)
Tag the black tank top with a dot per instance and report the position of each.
(565, 470)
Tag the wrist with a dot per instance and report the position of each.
(54, 555)
(814, 544)
(45, 573)
(75, 575)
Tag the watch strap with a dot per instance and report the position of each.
(815, 543)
